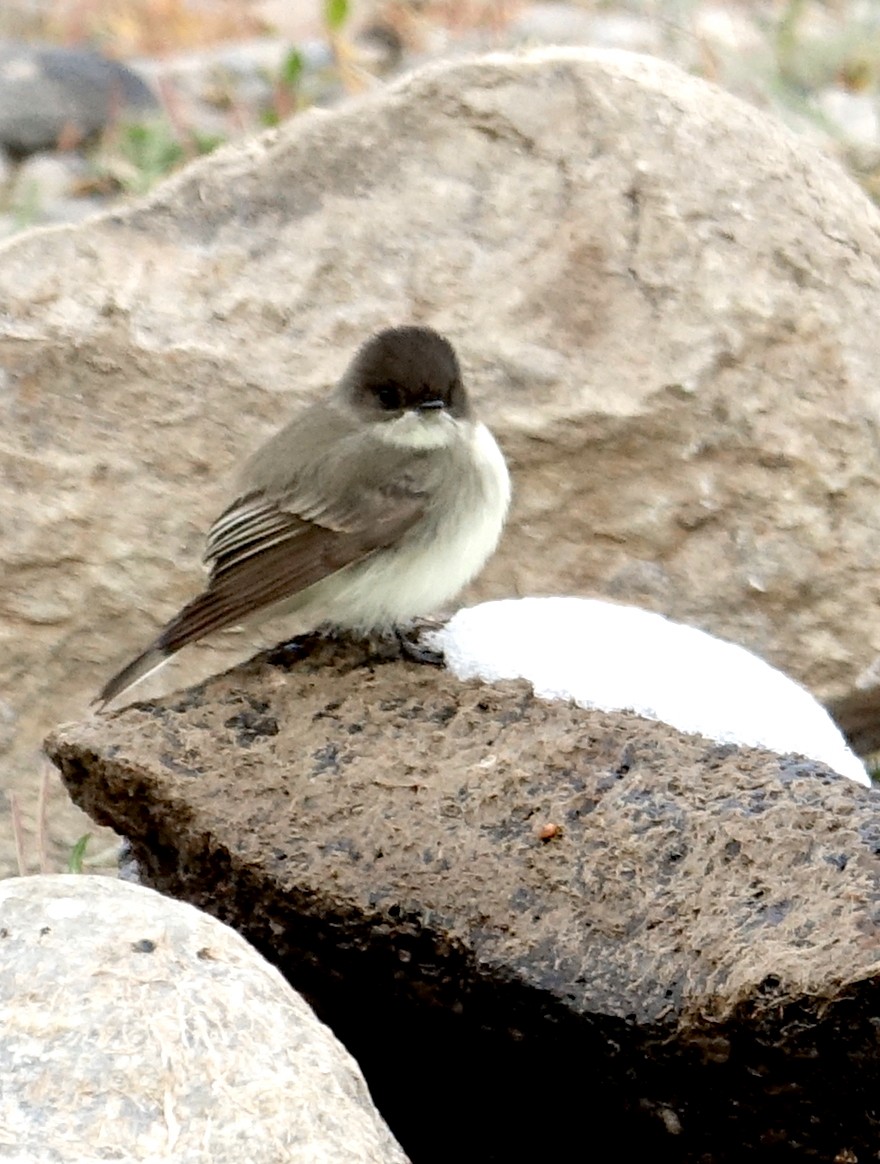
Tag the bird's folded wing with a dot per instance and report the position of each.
(260, 552)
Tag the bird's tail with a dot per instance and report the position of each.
(145, 664)
(217, 607)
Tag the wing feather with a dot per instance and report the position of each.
(274, 542)
(247, 529)
(261, 554)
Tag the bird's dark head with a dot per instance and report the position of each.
(407, 370)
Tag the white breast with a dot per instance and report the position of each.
(422, 575)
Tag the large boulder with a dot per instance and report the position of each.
(530, 923)
(664, 302)
(135, 1028)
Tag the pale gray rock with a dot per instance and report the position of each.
(853, 115)
(47, 179)
(44, 177)
(134, 1028)
(49, 94)
(664, 302)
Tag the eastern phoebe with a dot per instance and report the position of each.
(373, 507)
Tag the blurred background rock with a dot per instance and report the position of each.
(100, 99)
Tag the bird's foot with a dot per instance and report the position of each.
(401, 643)
(411, 646)
(295, 650)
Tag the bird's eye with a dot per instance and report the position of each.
(388, 396)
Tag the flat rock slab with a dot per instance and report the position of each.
(529, 922)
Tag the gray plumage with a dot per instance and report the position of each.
(373, 506)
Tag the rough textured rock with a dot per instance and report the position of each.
(508, 906)
(664, 302)
(51, 95)
(136, 1028)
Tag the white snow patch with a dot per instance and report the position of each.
(616, 658)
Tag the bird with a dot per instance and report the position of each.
(373, 507)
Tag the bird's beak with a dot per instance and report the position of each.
(430, 405)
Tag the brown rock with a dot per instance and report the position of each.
(135, 1028)
(524, 919)
(665, 303)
